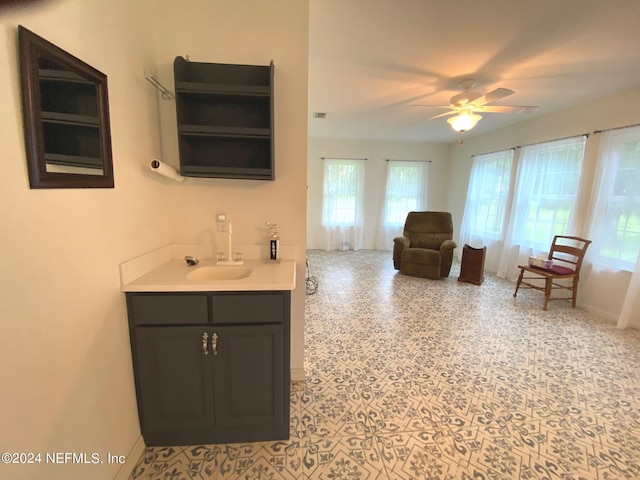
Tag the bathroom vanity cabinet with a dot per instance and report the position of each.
(211, 367)
(225, 119)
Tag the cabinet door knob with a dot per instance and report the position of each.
(205, 338)
(214, 343)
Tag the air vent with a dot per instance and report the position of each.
(319, 114)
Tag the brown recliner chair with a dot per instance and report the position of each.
(426, 247)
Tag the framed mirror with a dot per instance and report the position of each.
(66, 117)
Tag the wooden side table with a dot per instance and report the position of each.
(472, 265)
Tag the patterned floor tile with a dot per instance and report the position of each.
(417, 456)
(175, 463)
(408, 378)
(259, 461)
(253, 461)
(329, 410)
(342, 458)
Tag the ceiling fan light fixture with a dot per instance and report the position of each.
(464, 121)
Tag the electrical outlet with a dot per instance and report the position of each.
(222, 222)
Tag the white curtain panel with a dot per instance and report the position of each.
(549, 194)
(544, 201)
(342, 218)
(342, 238)
(629, 310)
(487, 207)
(615, 229)
(404, 193)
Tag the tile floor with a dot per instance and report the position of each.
(410, 378)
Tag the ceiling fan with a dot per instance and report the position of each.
(466, 106)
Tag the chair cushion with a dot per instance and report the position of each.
(428, 229)
(557, 269)
(421, 255)
(562, 270)
(429, 240)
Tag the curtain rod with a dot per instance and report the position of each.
(616, 128)
(396, 160)
(535, 143)
(564, 138)
(341, 158)
(495, 151)
(554, 140)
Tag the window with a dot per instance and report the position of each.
(488, 196)
(342, 193)
(547, 190)
(616, 229)
(405, 191)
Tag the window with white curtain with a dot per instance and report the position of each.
(616, 226)
(342, 192)
(404, 191)
(488, 197)
(546, 192)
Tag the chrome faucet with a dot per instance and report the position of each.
(191, 261)
(230, 232)
(230, 260)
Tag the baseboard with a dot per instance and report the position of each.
(298, 375)
(608, 316)
(131, 460)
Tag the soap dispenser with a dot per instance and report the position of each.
(274, 241)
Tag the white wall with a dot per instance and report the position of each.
(376, 153)
(65, 361)
(66, 376)
(253, 33)
(602, 290)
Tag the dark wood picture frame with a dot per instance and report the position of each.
(66, 117)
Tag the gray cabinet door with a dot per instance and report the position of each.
(174, 378)
(199, 381)
(249, 376)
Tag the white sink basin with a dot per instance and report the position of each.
(156, 272)
(218, 272)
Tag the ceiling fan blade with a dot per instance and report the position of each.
(464, 98)
(453, 112)
(508, 108)
(429, 106)
(496, 94)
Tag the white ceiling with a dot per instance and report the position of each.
(369, 60)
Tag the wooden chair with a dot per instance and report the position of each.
(567, 254)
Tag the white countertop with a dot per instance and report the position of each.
(159, 271)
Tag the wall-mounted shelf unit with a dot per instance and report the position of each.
(70, 118)
(225, 119)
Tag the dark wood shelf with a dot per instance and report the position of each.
(71, 142)
(225, 119)
(65, 109)
(71, 119)
(235, 132)
(227, 172)
(226, 157)
(73, 161)
(196, 88)
(47, 74)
